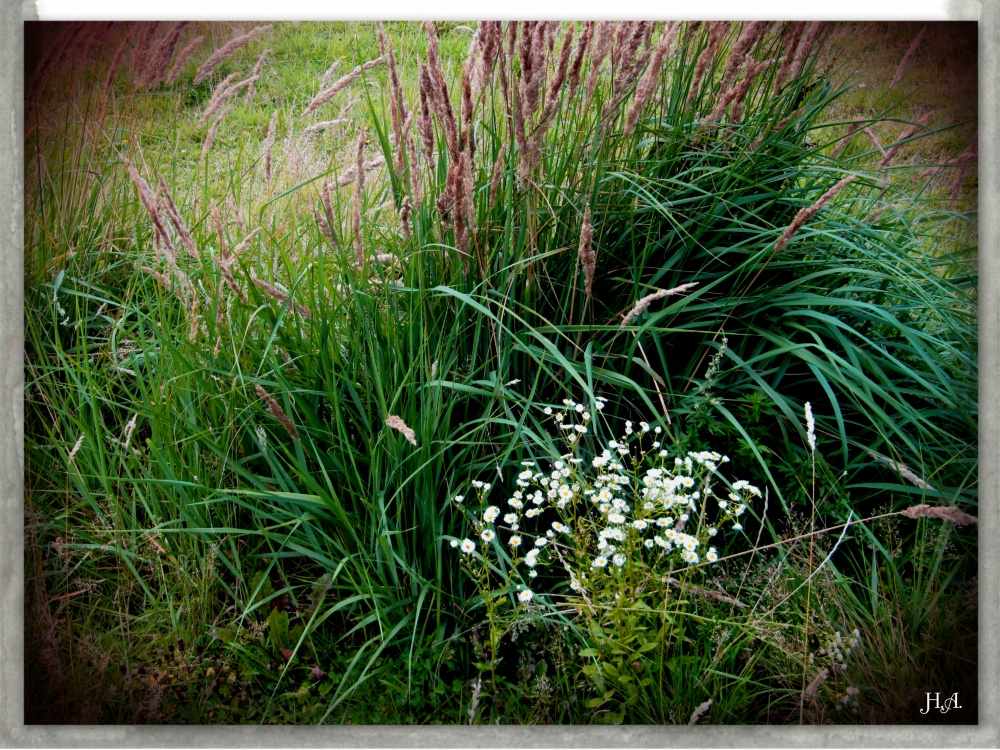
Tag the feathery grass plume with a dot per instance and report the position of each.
(492, 41)
(806, 214)
(901, 68)
(324, 227)
(793, 33)
(810, 427)
(328, 75)
(424, 124)
(460, 190)
(904, 471)
(908, 133)
(642, 304)
(943, 513)
(845, 139)
(275, 408)
(699, 712)
(246, 241)
(325, 125)
(717, 31)
(225, 51)
(359, 185)
(397, 423)
(53, 57)
(279, 295)
(349, 176)
(76, 447)
(628, 63)
(324, 96)
(228, 92)
(148, 199)
(741, 89)
(268, 143)
(467, 140)
(804, 47)
(116, 61)
(523, 149)
(603, 36)
(210, 136)
(559, 77)
(582, 45)
(397, 106)
(161, 55)
(405, 209)
(231, 205)
(326, 197)
(439, 98)
(745, 42)
(871, 137)
(497, 172)
(217, 98)
(195, 318)
(411, 151)
(217, 218)
(129, 429)
(225, 266)
(258, 71)
(167, 202)
(646, 87)
(812, 687)
(147, 32)
(586, 254)
(182, 59)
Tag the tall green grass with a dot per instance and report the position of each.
(872, 320)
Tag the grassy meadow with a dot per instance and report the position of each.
(500, 373)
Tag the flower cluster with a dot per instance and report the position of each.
(594, 513)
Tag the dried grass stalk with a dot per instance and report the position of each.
(275, 408)
(947, 513)
(231, 205)
(227, 50)
(642, 304)
(904, 471)
(161, 54)
(805, 46)
(582, 45)
(716, 33)
(325, 125)
(148, 199)
(806, 214)
(603, 37)
(793, 33)
(328, 75)
(871, 137)
(397, 423)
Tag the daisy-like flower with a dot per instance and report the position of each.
(712, 531)
(541, 542)
(548, 410)
(510, 518)
(616, 518)
(487, 535)
(526, 474)
(515, 503)
(561, 528)
(664, 522)
(454, 543)
(574, 584)
(711, 555)
(525, 596)
(648, 543)
(565, 493)
(531, 559)
(639, 524)
(468, 546)
(619, 560)
(737, 527)
(527, 463)
(491, 514)
(459, 498)
(599, 562)
(514, 541)
(566, 426)
(581, 429)
(723, 504)
(532, 573)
